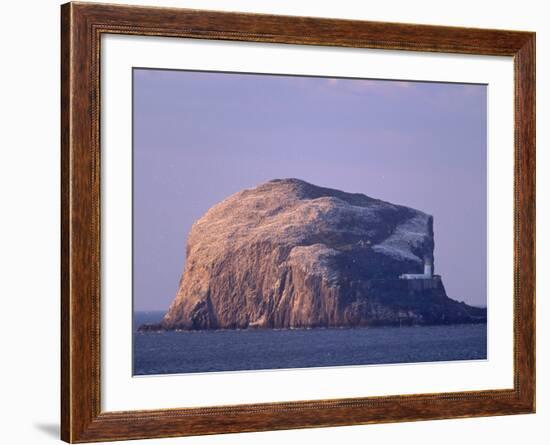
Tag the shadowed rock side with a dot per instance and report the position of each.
(289, 254)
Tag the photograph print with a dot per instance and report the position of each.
(284, 221)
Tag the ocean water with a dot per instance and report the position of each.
(210, 351)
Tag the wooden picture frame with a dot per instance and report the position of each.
(82, 25)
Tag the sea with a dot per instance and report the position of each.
(257, 349)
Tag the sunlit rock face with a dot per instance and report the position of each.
(289, 254)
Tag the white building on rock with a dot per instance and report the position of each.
(427, 275)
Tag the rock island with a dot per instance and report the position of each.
(290, 254)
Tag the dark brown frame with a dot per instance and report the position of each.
(82, 25)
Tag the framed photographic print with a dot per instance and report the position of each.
(274, 222)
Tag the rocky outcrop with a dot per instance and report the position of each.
(289, 254)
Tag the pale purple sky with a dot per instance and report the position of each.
(200, 136)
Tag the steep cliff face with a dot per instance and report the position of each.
(290, 254)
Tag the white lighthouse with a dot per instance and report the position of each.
(428, 269)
